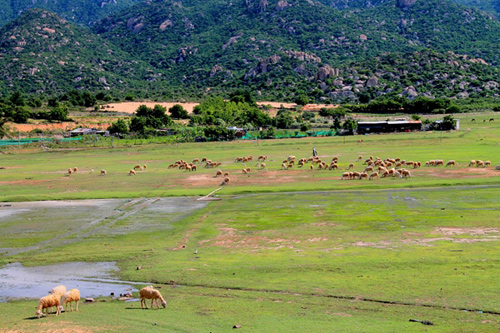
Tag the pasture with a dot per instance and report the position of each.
(295, 249)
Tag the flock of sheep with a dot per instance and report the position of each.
(58, 297)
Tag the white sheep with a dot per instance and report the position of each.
(58, 290)
(154, 295)
(47, 302)
(69, 297)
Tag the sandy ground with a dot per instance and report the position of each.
(67, 126)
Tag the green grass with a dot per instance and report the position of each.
(314, 253)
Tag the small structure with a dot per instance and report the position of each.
(388, 126)
(238, 132)
(87, 131)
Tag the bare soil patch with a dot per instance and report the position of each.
(131, 107)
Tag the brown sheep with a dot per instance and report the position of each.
(145, 166)
(472, 163)
(137, 167)
(479, 163)
(405, 173)
(333, 166)
(360, 158)
(226, 181)
(451, 162)
(487, 163)
(373, 175)
(346, 175)
(263, 165)
(386, 173)
(46, 303)
(70, 171)
(351, 166)
(193, 168)
(196, 160)
(152, 294)
(226, 174)
(283, 166)
(368, 168)
(103, 172)
(75, 169)
(250, 158)
(397, 174)
(363, 175)
(218, 173)
(131, 172)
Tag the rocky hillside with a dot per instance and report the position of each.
(82, 12)
(41, 52)
(278, 48)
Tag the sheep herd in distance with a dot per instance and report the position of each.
(372, 167)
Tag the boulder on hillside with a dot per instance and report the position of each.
(373, 81)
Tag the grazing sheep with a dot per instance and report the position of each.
(397, 174)
(203, 160)
(491, 119)
(193, 168)
(351, 166)
(385, 173)
(473, 119)
(373, 175)
(439, 162)
(487, 163)
(152, 294)
(196, 160)
(226, 174)
(172, 166)
(283, 166)
(368, 168)
(69, 297)
(75, 169)
(346, 175)
(131, 172)
(451, 162)
(145, 166)
(137, 167)
(250, 157)
(363, 175)
(360, 158)
(262, 158)
(472, 163)
(263, 165)
(405, 173)
(46, 303)
(70, 171)
(333, 166)
(218, 173)
(225, 181)
(479, 163)
(312, 167)
(58, 290)
(103, 172)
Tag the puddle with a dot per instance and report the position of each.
(92, 279)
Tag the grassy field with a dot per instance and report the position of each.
(288, 250)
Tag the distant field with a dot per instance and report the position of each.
(294, 250)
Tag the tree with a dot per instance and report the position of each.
(284, 120)
(152, 118)
(301, 99)
(59, 113)
(242, 96)
(177, 111)
(350, 125)
(21, 115)
(118, 127)
(448, 123)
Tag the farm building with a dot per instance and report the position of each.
(87, 131)
(388, 126)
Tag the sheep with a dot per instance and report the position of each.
(363, 175)
(472, 163)
(145, 166)
(368, 168)
(491, 119)
(263, 165)
(373, 175)
(451, 162)
(70, 171)
(226, 181)
(137, 167)
(75, 169)
(218, 173)
(262, 158)
(385, 173)
(346, 175)
(103, 172)
(91, 171)
(439, 162)
(283, 166)
(193, 168)
(196, 160)
(152, 294)
(479, 163)
(397, 174)
(226, 174)
(46, 303)
(58, 290)
(405, 173)
(333, 166)
(131, 172)
(69, 297)
(203, 160)
(172, 166)
(351, 166)
(487, 163)
(360, 158)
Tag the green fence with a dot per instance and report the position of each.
(32, 140)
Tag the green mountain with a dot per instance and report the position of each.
(43, 53)
(83, 12)
(278, 48)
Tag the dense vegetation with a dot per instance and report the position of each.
(289, 50)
